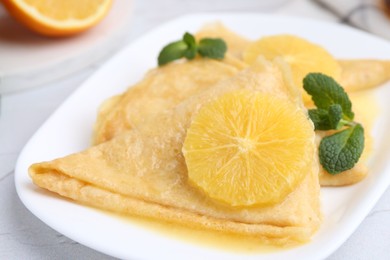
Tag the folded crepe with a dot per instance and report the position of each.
(355, 74)
(364, 74)
(142, 172)
(165, 87)
(162, 88)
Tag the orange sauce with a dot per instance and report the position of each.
(204, 238)
(366, 109)
(365, 106)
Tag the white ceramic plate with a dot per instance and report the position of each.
(69, 130)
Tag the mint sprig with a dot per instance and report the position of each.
(188, 48)
(341, 151)
(326, 119)
(325, 91)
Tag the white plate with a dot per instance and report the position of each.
(69, 129)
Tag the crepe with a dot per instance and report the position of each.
(162, 88)
(363, 74)
(356, 75)
(142, 172)
(165, 87)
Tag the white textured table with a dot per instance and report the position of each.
(23, 236)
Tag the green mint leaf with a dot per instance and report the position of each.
(189, 39)
(190, 53)
(320, 118)
(326, 119)
(192, 48)
(335, 112)
(341, 151)
(212, 48)
(171, 52)
(325, 92)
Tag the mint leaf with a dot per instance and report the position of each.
(341, 151)
(192, 48)
(325, 91)
(189, 39)
(171, 52)
(326, 119)
(212, 48)
(320, 118)
(335, 112)
(190, 53)
(188, 48)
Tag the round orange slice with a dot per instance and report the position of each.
(249, 148)
(60, 17)
(303, 57)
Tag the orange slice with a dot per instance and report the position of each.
(60, 17)
(249, 148)
(303, 57)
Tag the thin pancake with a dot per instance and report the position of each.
(162, 88)
(124, 112)
(143, 172)
(364, 74)
(356, 74)
(166, 86)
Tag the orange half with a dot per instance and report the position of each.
(60, 17)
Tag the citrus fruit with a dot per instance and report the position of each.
(303, 57)
(60, 17)
(249, 148)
